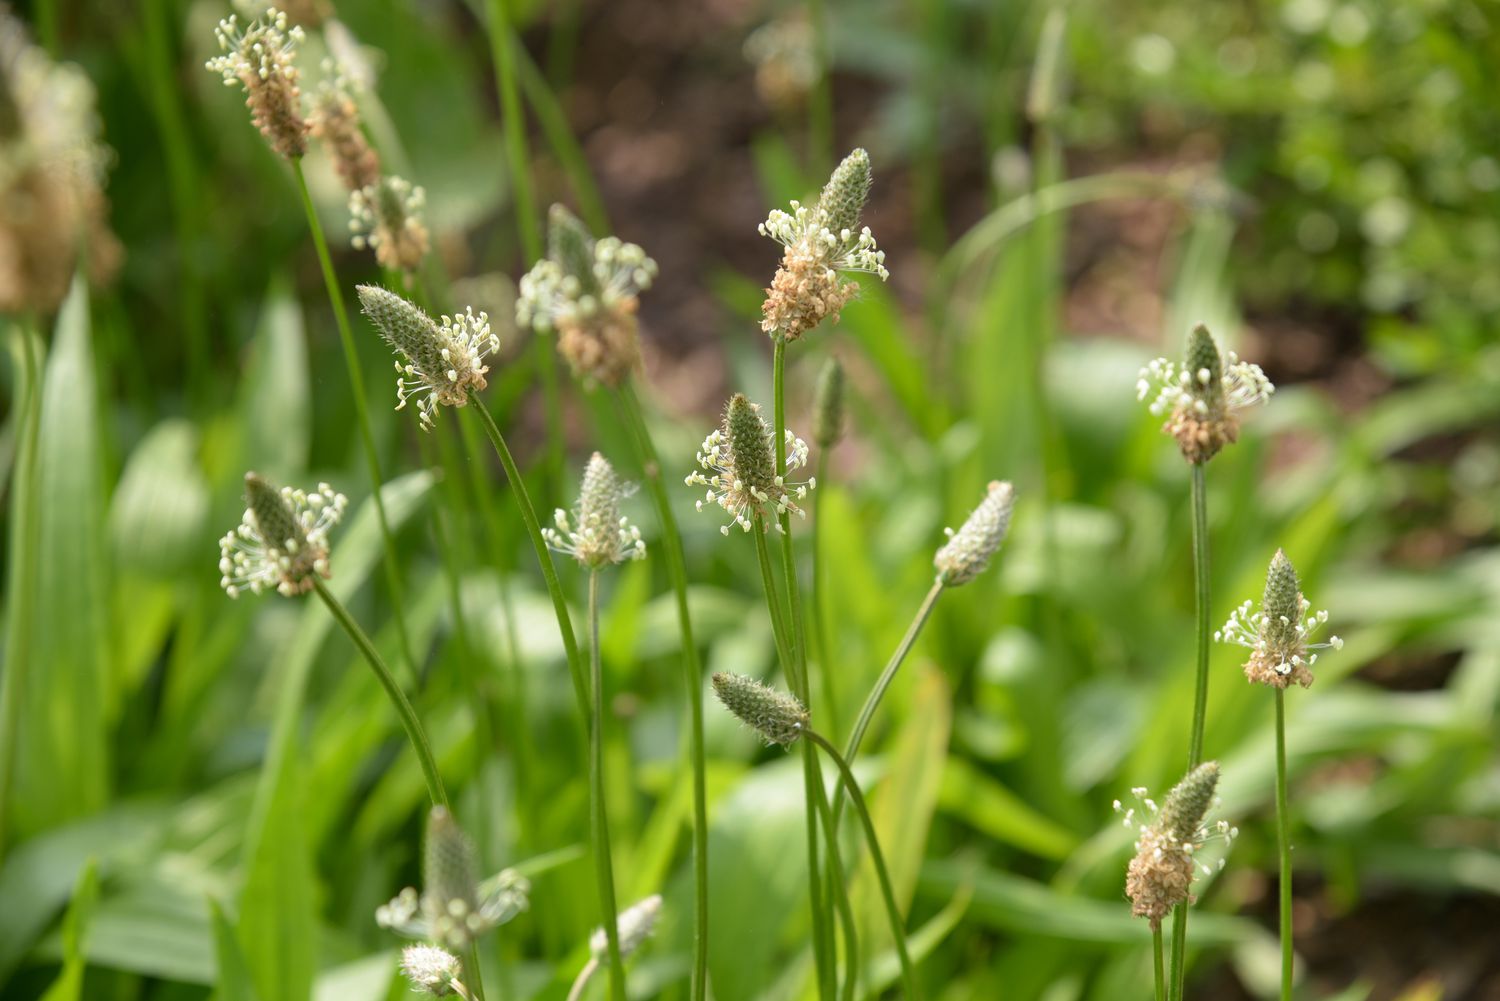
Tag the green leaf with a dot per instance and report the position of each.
(992, 809)
(233, 978)
(274, 411)
(69, 984)
(61, 768)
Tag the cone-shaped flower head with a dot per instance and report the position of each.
(443, 360)
(596, 534)
(1203, 396)
(433, 970)
(52, 208)
(261, 59)
(282, 540)
(386, 217)
(829, 404)
(741, 461)
(821, 242)
(454, 908)
(586, 290)
(1279, 635)
(969, 550)
(635, 925)
(777, 716)
(335, 120)
(1160, 876)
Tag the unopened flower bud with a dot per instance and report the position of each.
(828, 428)
(969, 550)
(778, 717)
(635, 925)
(845, 194)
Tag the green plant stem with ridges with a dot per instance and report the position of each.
(21, 579)
(882, 874)
(797, 645)
(692, 675)
(543, 554)
(1200, 697)
(820, 633)
(361, 415)
(1161, 976)
(1283, 850)
(528, 217)
(604, 867)
(408, 715)
(788, 666)
(872, 701)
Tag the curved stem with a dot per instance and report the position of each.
(883, 876)
(575, 993)
(1161, 977)
(1283, 849)
(408, 716)
(599, 819)
(692, 676)
(361, 415)
(543, 554)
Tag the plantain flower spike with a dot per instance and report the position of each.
(385, 216)
(52, 206)
(1160, 876)
(443, 360)
(778, 717)
(261, 60)
(739, 456)
(596, 534)
(335, 120)
(968, 551)
(1279, 635)
(454, 907)
(828, 405)
(587, 291)
(433, 970)
(282, 540)
(821, 242)
(1203, 397)
(634, 926)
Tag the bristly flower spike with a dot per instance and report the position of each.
(260, 59)
(1160, 876)
(635, 925)
(1203, 397)
(386, 217)
(282, 540)
(821, 242)
(1279, 634)
(444, 359)
(969, 550)
(778, 717)
(596, 534)
(433, 970)
(587, 291)
(742, 464)
(335, 120)
(454, 907)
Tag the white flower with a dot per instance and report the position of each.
(1243, 385)
(432, 970)
(1278, 634)
(602, 536)
(444, 359)
(282, 540)
(581, 277)
(634, 926)
(744, 481)
(425, 916)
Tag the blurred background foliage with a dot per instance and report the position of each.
(210, 798)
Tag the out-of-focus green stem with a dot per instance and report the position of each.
(692, 675)
(820, 632)
(1283, 850)
(604, 868)
(361, 415)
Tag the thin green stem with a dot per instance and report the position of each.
(604, 867)
(1201, 600)
(1161, 976)
(408, 716)
(797, 666)
(692, 676)
(882, 874)
(361, 415)
(821, 639)
(1179, 953)
(575, 993)
(821, 938)
(471, 961)
(820, 108)
(838, 892)
(872, 701)
(1283, 849)
(543, 554)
